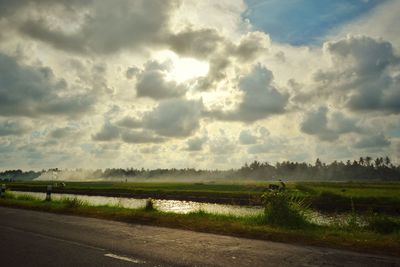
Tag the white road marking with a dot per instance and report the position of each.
(123, 258)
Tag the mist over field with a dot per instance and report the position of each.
(365, 169)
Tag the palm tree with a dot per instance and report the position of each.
(368, 160)
(387, 161)
(378, 162)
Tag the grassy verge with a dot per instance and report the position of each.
(350, 237)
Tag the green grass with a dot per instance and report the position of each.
(368, 238)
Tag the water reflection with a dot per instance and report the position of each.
(176, 206)
(184, 207)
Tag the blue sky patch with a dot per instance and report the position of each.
(302, 22)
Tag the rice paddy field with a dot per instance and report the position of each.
(323, 196)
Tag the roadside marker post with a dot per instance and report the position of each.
(3, 191)
(48, 193)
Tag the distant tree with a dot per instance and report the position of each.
(387, 161)
(368, 160)
(318, 163)
(361, 161)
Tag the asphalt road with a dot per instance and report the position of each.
(30, 238)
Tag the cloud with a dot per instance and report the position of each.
(136, 137)
(378, 23)
(129, 122)
(228, 54)
(174, 117)
(364, 75)
(327, 127)
(196, 143)
(260, 99)
(108, 132)
(33, 91)
(199, 43)
(150, 150)
(250, 46)
(131, 72)
(271, 145)
(63, 132)
(222, 145)
(11, 127)
(374, 141)
(152, 82)
(108, 27)
(247, 138)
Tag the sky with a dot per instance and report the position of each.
(197, 84)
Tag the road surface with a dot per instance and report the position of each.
(31, 238)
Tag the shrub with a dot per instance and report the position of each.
(382, 224)
(149, 205)
(284, 210)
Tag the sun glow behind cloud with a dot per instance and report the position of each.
(188, 68)
(183, 68)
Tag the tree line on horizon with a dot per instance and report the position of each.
(365, 168)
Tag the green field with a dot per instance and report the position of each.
(322, 196)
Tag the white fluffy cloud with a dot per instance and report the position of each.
(260, 98)
(364, 74)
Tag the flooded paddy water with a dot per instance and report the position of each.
(184, 207)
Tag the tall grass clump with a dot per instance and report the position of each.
(72, 203)
(149, 205)
(27, 198)
(9, 195)
(284, 210)
(382, 224)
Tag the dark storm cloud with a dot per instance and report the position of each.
(33, 91)
(260, 100)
